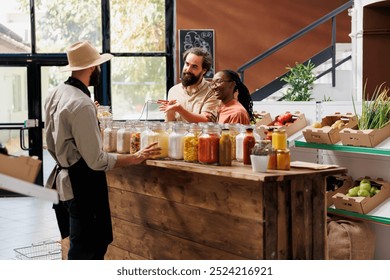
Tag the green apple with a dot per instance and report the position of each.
(377, 191)
(373, 190)
(364, 193)
(353, 191)
(365, 181)
(365, 186)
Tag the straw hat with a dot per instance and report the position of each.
(82, 55)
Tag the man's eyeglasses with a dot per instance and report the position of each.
(219, 82)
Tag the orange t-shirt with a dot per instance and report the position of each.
(233, 112)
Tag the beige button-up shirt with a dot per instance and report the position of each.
(199, 100)
(72, 132)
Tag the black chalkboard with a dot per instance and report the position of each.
(203, 38)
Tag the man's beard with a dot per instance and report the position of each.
(189, 79)
(94, 79)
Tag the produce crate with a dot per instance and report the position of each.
(326, 134)
(360, 204)
(364, 138)
(46, 250)
(22, 167)
(337, 184)
(299, 122)
(263, 118)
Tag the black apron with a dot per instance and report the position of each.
(90, 193)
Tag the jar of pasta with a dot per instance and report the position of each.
(208, 149)
(190, 142)
(135, 136)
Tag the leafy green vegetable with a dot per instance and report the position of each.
(376, 112)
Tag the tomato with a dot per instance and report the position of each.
(287, 117)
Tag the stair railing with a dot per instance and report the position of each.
(330, 16)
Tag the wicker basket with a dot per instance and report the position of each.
(46, 250)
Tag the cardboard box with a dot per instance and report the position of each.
(326, 134)
(262, 118)
(364, 138)
(337, 184)
(299, 122)
(359, 204)
(22, 167)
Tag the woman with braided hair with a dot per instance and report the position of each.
(232, 109)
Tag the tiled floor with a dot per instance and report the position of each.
(25, 221)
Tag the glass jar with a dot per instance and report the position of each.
(190, 150)
(283, 159)
(103, 112)
(234, 129)
(160, 129)
(225, 148)
(272, 159)
(148, 136)
(123, 138)
(248, 143)
(208, 148)
(176, 141)
(279, 139)
(110, 137)
(135, 136)
(240, 144)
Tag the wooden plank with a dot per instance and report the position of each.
(284, 220)
(240, 171)
(226, 195)
(298, 224)
(319, 217)
(156, 245)
(116, 253)
(308, 217)
(210, 228)
(270, 225)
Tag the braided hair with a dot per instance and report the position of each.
(244, 96)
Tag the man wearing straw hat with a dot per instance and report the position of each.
(74, 141)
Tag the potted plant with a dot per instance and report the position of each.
(260, 155)
(300, 82)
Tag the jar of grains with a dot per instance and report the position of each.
(176, 140)
(110, 137)
(208, 149)
(160, 129)
(190, 150)
(123, 138)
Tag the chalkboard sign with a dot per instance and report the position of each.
(203, 38)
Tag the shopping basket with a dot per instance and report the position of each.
(45, 250)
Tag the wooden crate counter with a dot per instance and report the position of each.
(177, 210)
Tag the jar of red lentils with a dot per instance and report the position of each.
(208, 144)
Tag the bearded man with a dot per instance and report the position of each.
(192, 100)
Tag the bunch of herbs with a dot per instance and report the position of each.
(375, 112)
